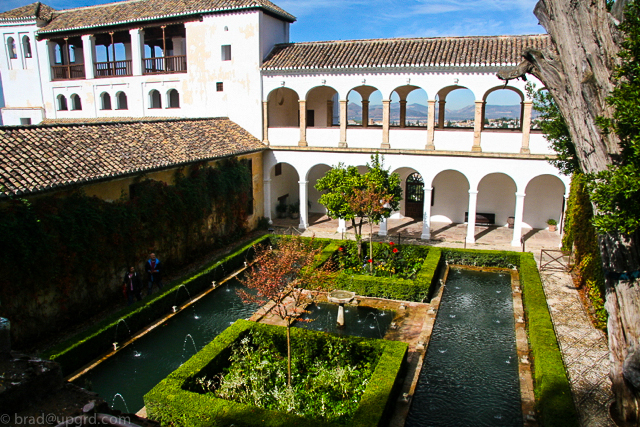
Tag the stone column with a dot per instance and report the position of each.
(265, 122)
(471, 224)
(526, 126)
(89, 49)
(365, 113)
(383, 227)
(517, 223)
(426, 215)
(441, 105)
(342, 226)
(477, 126)
(267, 199)
(303, 123)
(343, 123)
(386, 113)
(137, 51)
(403, 114)
(329, 113)
(431, 124)
(304, 208)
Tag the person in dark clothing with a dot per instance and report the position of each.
(154, 275)
(132, 285)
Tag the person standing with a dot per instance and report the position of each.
(154, 275)
(133, 285)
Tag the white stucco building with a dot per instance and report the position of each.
(231, 58)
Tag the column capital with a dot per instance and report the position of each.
(385, 101)
(303, 182)
(473, 192)
(428, 188)
(520, 194)
(302, 101)
(266, 180)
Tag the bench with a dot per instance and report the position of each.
(482, 218)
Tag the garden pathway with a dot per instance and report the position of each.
(584, 350)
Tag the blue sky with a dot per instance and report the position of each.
(360, 19)
(364, 19)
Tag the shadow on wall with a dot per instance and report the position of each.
(1, 100)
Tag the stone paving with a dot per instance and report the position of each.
(584, 348)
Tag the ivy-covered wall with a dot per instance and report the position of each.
(581, 235)
(65, 254)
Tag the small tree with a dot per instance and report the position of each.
(280, 276)
(351, 195)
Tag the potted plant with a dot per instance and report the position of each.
(281, 210)
(294, 210)
(552, 224)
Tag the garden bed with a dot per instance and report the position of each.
(181, 400)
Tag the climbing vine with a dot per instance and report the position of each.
(581, 235)
(74, 247)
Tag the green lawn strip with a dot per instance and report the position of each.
(171, 401)
(86, 346)
(551, 385)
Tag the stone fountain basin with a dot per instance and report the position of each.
(340, 297)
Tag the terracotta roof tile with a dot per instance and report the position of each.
(43, 157)
(132, 11)
(418, 52)
(29, 12)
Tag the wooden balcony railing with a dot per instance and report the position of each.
(68, 72)
(165, 65)
(113, 68)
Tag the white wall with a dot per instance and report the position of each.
(544, 200)
(497, 195)
(451, 197)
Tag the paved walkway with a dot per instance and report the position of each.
(584, 348)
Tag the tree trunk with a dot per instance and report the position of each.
(289, 352)
(577, 73)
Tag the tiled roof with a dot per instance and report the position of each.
(29, 12)
(44, 157)
(148, 10)
(418, 52)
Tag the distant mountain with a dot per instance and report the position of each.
(419, 112)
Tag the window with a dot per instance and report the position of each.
(174, 98)
(72, 54)
(121, 101)
(154, 99)
(226, 52)
(75, 102)
(26, 46)
(278, 169)
(219, 87)
(24, 121)
(62, 103)
(106, 101)
(57, 54)
(11, 47)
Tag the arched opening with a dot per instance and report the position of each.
(497, 197)
(283, 108)
(173, 98)
(544, 200)
(11, 48)
(62, 103)
(545, 99)
(26, 46)
(105, 99)
(409, 107)
(285, 190)
(455, 108)
(58, 57)
(76, 104)
(449, 197)
(314, 174)
(503, 108)
(121, 101)
(321, 107)
(155, 100)
(364, 106)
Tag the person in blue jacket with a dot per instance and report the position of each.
(154, 273)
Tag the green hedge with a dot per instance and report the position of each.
(551, 385)
(85, 347)
(171, 402)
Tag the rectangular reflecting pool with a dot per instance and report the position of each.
(470, 372)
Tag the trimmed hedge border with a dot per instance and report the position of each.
(170, 402)
(98, 339)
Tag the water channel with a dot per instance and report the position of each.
(470, 373)
(366, 322)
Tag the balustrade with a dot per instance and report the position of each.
(113, 68)
(166, 65)
(68, 72)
